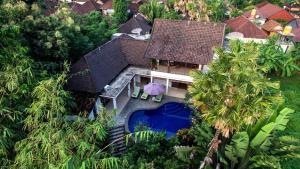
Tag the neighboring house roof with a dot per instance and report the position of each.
(85, 8)
(245, 26)
(296, 32)
(269, 11)
(51, 6)
(98, 68)
(107, 5)
(184, 41)
(49, 11)
(295, 23)
(137, 21)
(272, 25)
(133, 7)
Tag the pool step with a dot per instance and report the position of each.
(117, 137)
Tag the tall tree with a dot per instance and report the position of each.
(120, 10)
(16, 79)
(58, 140)
(233, 93)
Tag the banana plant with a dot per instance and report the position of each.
(249, 144)
(277, 60)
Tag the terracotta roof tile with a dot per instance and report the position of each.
(245, 26)
(85, 8)
(269, 11)
(184, 41)
(133, 7)
(283, 15)
(134, 51)
(272, 25)
(107, 5)
(137, 21)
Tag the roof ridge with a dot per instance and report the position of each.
(248, 20)
(244, 23)
(174, 20)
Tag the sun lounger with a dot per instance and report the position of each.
(136, 92)
(158, 98)
(144, 96)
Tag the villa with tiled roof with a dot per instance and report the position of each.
(175, 49)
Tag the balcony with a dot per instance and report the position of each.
(175, 67)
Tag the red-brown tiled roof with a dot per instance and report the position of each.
(271, 25)
(133, 7)
(49, 11)
(269, 11)
(107, 5)
(137, 21)
(85, 8)
(245, 26)
(134, 51)
(282, 15)
(259, 5)
(185, 41)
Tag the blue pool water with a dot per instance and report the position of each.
(169, 117)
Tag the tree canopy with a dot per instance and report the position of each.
(120, 10)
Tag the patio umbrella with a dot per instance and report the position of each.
(154, 89)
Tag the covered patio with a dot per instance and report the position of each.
(119, 91)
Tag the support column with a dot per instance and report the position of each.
(167, 86)
(129, 92)
(134, 81)
(169, 70)
(115, 103)
(200, 67)
(151, 79)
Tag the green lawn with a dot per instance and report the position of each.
(290, 87)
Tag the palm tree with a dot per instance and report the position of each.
(152, 10)
(234, 92)
(194, 10)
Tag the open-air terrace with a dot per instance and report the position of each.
(120, 90)
(175, 69)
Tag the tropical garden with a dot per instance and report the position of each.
(246, 108)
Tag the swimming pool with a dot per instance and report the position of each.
(169, 117)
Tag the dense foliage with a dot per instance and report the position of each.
(262, 145)
(234, 93)
(276, 60)
(157, 152)
(153, 9)
(56, 140)
(291, 92)
(38, 128)
(33, 49)
(120, 10)
(243, 105)
(64, 35)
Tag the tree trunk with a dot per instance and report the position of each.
(212, 149)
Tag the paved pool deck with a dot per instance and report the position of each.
(138, 104)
